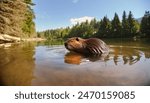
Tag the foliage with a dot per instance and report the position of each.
(133, 25)
(28, 26)
(145, 24)
(16, 18)
(116, 27)
(82, 30)
(127, 28)
(105, 27)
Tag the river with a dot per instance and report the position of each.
(49, 63)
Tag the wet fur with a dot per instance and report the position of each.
(86, 46)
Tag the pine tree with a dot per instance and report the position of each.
(145, 24)
(29, 25)
(105, 27)
(125, 26)
(116, 26)
(16, 18)
(94, 25)
(133, 25)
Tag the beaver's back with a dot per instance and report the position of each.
(86, 46)
(96, 46)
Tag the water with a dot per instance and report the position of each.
(49, 63)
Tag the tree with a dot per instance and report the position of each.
(28, 26)
(125, 26)
(116, 27)
(129, 28)
(145, 24)
(105, 28)
(16, 18)
(96, 25)
(133, 25)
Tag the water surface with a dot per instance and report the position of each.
(49, 63)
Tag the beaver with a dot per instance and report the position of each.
(86, 46)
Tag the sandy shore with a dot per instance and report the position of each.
(4, 38)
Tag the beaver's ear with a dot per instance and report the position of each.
(77, 39)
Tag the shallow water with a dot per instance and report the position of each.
(128, 63)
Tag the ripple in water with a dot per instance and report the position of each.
(29, 64)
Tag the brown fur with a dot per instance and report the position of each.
(86, 46)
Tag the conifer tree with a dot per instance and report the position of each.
(116, 26)
(145, 24)
(16, 18)
(133, 25)
(125, 26)
(105, 28)
(29, 25)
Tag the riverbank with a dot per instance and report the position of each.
(4, 38)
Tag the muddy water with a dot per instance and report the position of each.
(128, 63)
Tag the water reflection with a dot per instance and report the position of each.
(76, 58)
(124, 55)
(17, 64)
(73, 58)
(48, 64)
(127, 55)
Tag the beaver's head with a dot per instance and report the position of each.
(75, 44)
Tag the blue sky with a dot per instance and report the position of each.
(52, 14)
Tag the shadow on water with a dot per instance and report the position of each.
(49, 63)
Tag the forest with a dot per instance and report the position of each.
(128, 27)
(16, 18)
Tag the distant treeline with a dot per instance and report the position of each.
(129, 27)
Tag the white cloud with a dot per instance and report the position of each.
(80, 20)
(75, 1)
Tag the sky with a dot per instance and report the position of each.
(52, 14)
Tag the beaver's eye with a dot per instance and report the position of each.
(77, 39)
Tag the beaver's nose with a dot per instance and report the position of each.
(65, 44)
